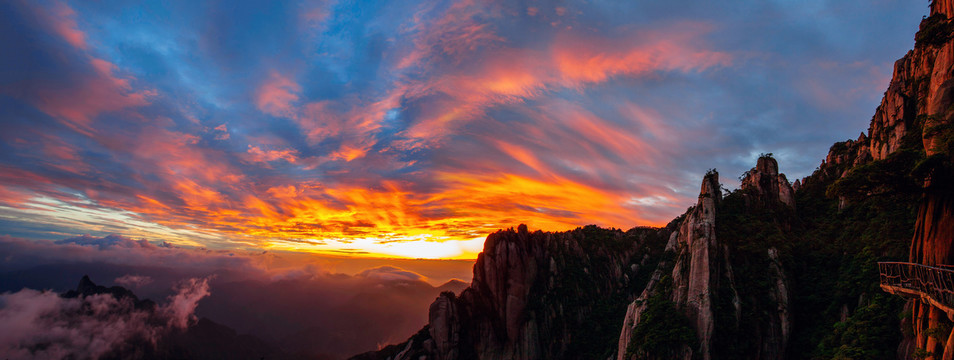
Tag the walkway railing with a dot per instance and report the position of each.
(934, 283)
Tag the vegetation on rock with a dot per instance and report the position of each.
(662, 333)
(936, 30)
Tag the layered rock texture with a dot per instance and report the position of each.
(694, 278)
(703, 284)
(539, 295)
(772, 270)
(926, 76)
(908, 152)
(768, 186)
(909, 148)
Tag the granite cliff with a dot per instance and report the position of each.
(538, 295)
(925, 78)
(771, 270)
(703, 284)
(909, 150)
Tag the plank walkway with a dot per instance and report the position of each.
(932, 284)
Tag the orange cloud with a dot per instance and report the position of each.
(283, 192)
(77, 101)
(348, 153)
(549, 203)
(92, 95)
(559, 167)
(319, 121)
(351, 121)
(277, 96)
(508, 75)
(588, 60)
(63, 21)
(256, 154)
(454, 34)
(9, 196)
(467, 202)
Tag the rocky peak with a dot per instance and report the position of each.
(841, 158)
(921, 91)
(87, 287)
(693, 286)
(849, 152)
(700, 280)
(767, 165)
(696, 274)
(711, 189)
(767, 185)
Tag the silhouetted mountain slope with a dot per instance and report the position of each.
(330, 316)
(454, 286)
(533, 293)
(86, 288)
(101, 322)
(209, 340)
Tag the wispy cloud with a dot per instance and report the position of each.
(367, 130)
(277, 96)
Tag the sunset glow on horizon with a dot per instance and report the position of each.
(413, 130)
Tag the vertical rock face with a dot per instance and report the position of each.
(770, 186)
(896, 112)
(702, 275)
(538, 295)
(695, 275)
(932, 245)
(934, 63)
(444, 324)
(919, 104)
(765, 188)
(934, 231)
(945, 7)
(698, 270)
(636, 309)
(921, 86)
(693, 287)
(916, 115)
(780, 326)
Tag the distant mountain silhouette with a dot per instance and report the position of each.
(204, 339)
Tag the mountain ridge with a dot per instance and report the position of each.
(200, 339)
(727, 283)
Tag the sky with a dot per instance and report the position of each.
(413, 129)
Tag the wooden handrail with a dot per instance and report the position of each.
(935, 283)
